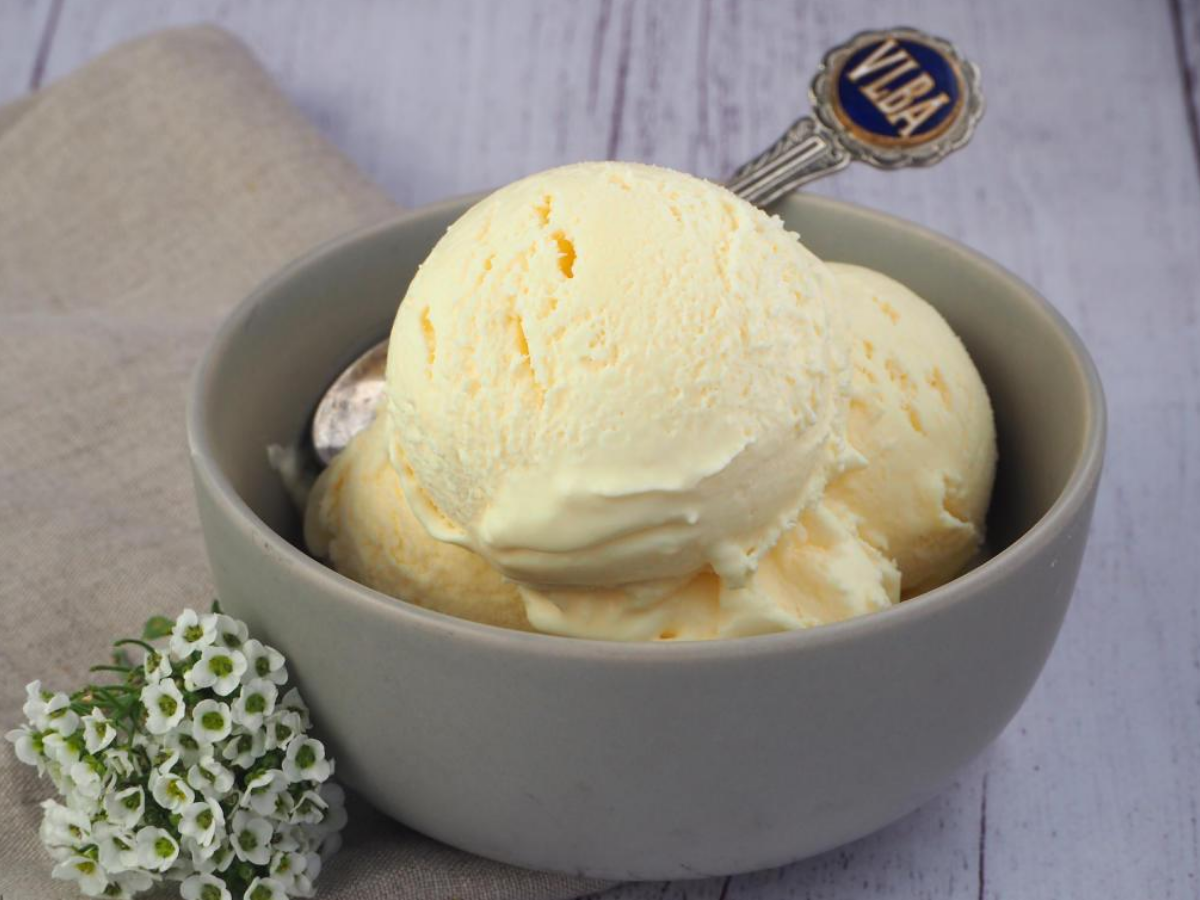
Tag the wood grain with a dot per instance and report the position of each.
(1185, 19)
(1084, 179)
(23, 25)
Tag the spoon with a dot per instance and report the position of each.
(892, 98)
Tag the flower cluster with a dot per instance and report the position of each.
(195, 767)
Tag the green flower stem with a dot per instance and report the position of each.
(124, 669)
(115, 694)
(124, 641)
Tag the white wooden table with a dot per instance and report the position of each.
(1084, 178)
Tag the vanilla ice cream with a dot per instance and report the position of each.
(820, 571)
(921, 416)
(612, 375)
(909, 519)
(624, 404)
(358, 519)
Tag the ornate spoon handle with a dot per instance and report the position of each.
(891, 98)
(805, 152)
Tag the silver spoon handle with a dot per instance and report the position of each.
(806, 151)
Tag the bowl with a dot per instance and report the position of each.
(648, 761)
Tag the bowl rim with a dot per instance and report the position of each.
(1076, 493)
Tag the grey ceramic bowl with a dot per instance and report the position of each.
(650, 761)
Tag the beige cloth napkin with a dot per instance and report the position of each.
(139, 199)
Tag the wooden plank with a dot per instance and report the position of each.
(431, 99)
(24, 30)
(931, 854)
(1185, 19)
(1093, 196)
(1082, 179)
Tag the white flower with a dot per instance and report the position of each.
(282, 728)
(28, 745)
(243, 748)
(262, 791)
(290, 838)
(255, 702)
(201, 821)
(192, 632)
(156, 849)
(201, 759)
(62, 826)
(210, 778)
(218, 668)
(231, 633)
(184, 742)
(125, 808)
(293, 701)
(264, 889)
(164, 706)
(61, 750)
(302, 886)
(58, 716)
(309, 809)
(115, 847)
(57, 775)
(164, 759)
(35, 704)
(120, 763)
(215, 857)
(305, 761)
(156, 666)
(251, 838)
(170, 792)
(201, 854)
(285, 866)
(98, 732)
(127, 885)
(323, 831)
(224, 856)
(204, 887)
(284, 805)
(182, 867)
(264, 662)
(85, 776)
(211, 721)
(88, 873)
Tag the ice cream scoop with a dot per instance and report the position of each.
(921, 416)
(612, 374)
(610, 380)
(359, 520)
